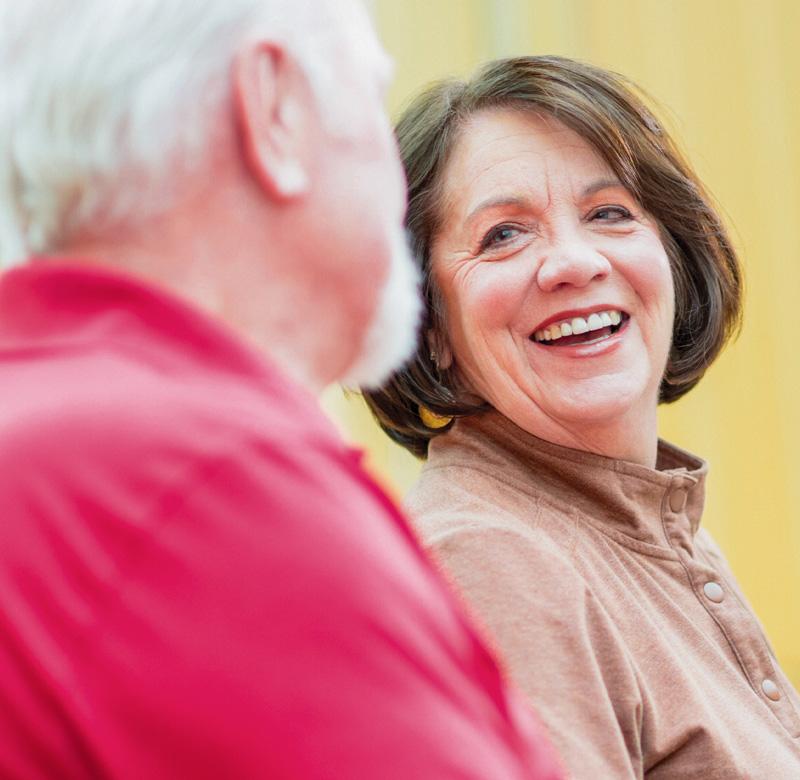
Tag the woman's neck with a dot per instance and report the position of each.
(632, 438)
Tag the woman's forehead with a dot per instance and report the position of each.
(507, 152)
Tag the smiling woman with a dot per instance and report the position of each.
(576, 275)
(558, 244)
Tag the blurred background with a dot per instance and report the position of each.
(726, 77)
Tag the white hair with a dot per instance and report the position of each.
(99, 98)
(391, 336)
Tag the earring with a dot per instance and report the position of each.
(431, 419)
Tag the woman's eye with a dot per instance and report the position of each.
(611, 214)
(501, 234)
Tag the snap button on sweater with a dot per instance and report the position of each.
(677, 500)
(714, 592)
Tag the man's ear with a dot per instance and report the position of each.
(272, 103)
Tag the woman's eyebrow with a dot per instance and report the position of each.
(519, 201)
(497, 202)
(601, 184)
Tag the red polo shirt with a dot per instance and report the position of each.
(197, 578)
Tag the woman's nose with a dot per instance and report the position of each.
(575, 264)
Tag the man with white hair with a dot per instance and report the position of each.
(203, 205)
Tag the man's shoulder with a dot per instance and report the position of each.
(103, 415)
(97, 366)
(101, 473)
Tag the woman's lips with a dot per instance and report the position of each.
(593, 329)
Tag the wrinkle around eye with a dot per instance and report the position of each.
(455, 261)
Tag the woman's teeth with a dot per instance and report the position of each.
(579, 325)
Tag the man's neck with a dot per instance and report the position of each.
(219, 290)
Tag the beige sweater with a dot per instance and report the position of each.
(618, 617)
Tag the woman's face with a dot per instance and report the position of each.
(558, 295)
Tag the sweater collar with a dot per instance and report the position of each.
(650, 505)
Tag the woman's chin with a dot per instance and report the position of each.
(599, 404)
(594, 414)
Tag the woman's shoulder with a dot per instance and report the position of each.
(459, 511)
(515, 573)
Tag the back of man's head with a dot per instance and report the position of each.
(198, 121)
(98, 97)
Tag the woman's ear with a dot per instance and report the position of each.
(441, 355)
(274, 112)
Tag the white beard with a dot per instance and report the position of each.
(391, 336)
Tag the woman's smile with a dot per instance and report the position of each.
(595, 343)
(569, 328)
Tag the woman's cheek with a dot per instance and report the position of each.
(497, 294)
(649, 271)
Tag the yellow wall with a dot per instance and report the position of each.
(728, 74)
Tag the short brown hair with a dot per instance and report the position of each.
(608, 112)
